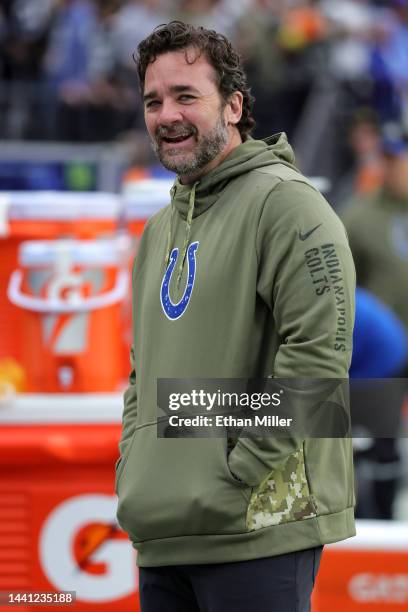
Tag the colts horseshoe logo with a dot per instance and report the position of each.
(171, 310)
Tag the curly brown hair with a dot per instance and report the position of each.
(218, 50)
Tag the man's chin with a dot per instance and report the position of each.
(181, 164)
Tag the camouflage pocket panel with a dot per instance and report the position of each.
(282, 497)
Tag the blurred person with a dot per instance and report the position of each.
(132, 23)
(67, 57)
(223, 288)
(134, 20)
(365, 172)
(283, 45)
(381, 354)
(82, 68)
(24, 28)
(351, 23)
(302, 25)
(365, 141)
(66, 63)
(389, 64)
(384, 96)
(221, 14)
(104, 60)
(377, 226)
(24, 31)
(256, 42)
(380, 350)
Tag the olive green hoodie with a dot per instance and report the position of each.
(266, 289)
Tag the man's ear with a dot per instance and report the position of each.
(233, 108)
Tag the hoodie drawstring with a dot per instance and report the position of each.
(168, 245)
(190, 213)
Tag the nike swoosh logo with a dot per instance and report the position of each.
(309, 233)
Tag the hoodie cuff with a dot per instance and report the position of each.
(246, 466)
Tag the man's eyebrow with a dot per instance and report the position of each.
(150, 95)
(173, 89)
(181, 88)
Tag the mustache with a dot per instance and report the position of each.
(176, 131)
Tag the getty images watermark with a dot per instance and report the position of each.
(290, 407)
(252, 408)
(221, 400)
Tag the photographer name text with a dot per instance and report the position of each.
(229, 421)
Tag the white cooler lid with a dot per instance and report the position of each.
(377, 535)
(63, 408)
(146, 197)
(103, 252)
(61, 206)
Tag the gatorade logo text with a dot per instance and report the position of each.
(379, 588)
(171, 310)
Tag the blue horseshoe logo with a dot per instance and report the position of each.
(171, 310)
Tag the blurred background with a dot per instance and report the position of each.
(67, 76)
(78, 179)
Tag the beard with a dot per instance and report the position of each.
(207, 147)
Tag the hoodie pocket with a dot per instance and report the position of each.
(175, 487)
(120, 464)
(283, 496)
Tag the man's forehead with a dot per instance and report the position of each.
(181, 67)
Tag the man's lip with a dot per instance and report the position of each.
(175, 144)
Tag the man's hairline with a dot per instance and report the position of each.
(184, 50)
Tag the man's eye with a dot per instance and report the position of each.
(186, 98)
(152, 103)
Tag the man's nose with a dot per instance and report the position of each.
(169, 113)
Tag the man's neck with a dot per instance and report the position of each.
(233, 143)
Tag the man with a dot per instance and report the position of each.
(247, 274)
(378, 230)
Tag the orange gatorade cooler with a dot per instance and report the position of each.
(58, 528)
(70, 294)
(45, 215)
(368, 572)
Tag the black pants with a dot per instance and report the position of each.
(275, 584)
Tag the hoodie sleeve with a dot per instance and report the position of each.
(306, 277)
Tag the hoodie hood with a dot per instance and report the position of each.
(248, 156)
(192, 200)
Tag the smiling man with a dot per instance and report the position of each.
(191, 126)
(246, 274)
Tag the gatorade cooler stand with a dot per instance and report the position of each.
(365, 573)
(58, 529)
